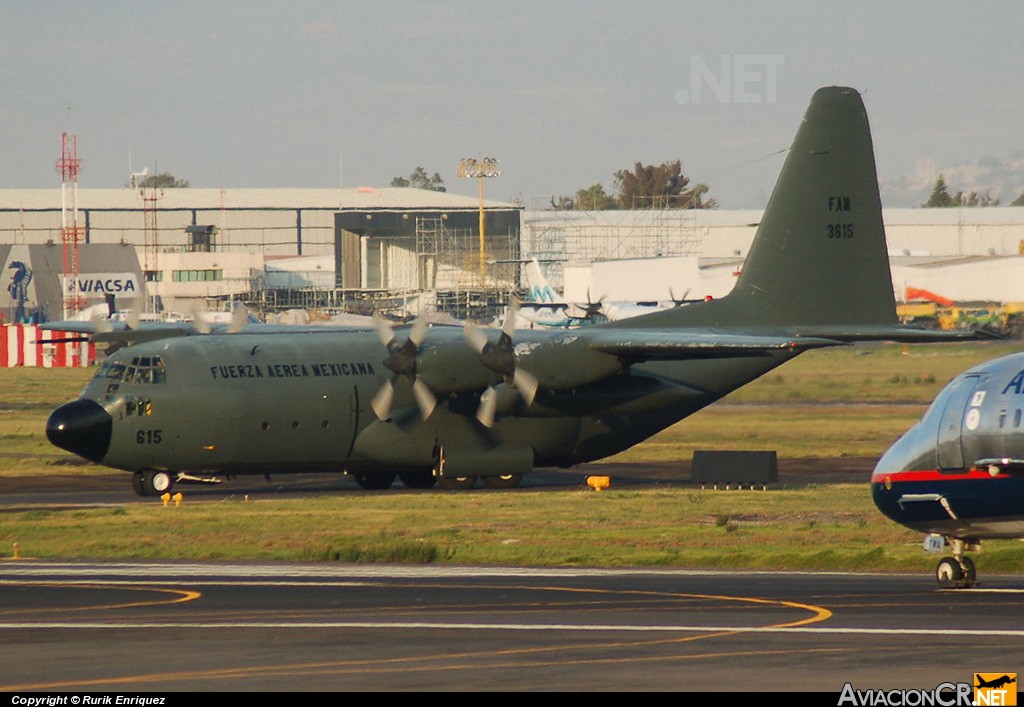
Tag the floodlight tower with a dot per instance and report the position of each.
(486, 167)
(68, 166)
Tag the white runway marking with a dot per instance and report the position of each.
(440, 625)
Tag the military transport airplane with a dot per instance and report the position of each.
(959, 472)
(430, 404)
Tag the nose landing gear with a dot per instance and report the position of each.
(958, 571)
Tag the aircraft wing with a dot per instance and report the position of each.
(1001, 465)
(676, 344)
(118, 334)
(544, 305)
(115, 333)
(668, 344)
(92, 326)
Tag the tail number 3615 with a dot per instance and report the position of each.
(840, 230)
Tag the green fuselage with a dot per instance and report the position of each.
(236, 404)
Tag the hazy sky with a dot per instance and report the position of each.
(564, 93)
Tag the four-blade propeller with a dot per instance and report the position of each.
(499, 356)
(401, 361)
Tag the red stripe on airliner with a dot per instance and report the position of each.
(932, 475)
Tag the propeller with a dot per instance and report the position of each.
(132, 322)
(239, 318)
(401, 361)
(200, 322)
(499, 356)
(102, 323)
(591, 308)
(679, 302)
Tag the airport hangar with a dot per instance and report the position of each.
(407, 250)
(274, 249)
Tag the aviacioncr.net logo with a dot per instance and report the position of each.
(995, 689)
(946, 694)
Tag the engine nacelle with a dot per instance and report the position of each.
(451, 366)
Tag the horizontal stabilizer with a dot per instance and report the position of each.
(678, 344)
(903, 334)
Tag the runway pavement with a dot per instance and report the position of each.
(129, 627)
(110, 486)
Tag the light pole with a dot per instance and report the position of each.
(486, 167)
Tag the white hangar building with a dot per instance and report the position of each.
(202, 244)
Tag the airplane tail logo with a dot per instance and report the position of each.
(995, 689)
(538, 288)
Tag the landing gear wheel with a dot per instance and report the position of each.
(153, 482)
(505, 481)
(418, 479)
(458, 483)
(137, 485)
(374, 482)
(970, 572)
(949, 573)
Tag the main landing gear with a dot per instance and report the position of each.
(463, 483)
(375, 482)
(958, 571)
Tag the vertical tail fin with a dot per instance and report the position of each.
(537, 286)
(819, 256)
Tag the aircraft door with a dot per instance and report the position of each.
(353, 402)
(949, 446)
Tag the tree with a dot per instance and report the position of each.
(664, 186)
(975, 199)
(939, 197)
(1019, 201)
(419, 180)
(164, 180)
(593, 198)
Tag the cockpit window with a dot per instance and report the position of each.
(141, 370)
(111, 370)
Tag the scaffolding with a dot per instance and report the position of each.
(449, 265)
(555, 237)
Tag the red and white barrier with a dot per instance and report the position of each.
(26, 345)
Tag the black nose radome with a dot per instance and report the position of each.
(82, 427)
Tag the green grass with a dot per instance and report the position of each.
(876, 373)
(814, 527)
(791, 430)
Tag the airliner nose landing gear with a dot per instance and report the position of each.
(958, 571)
